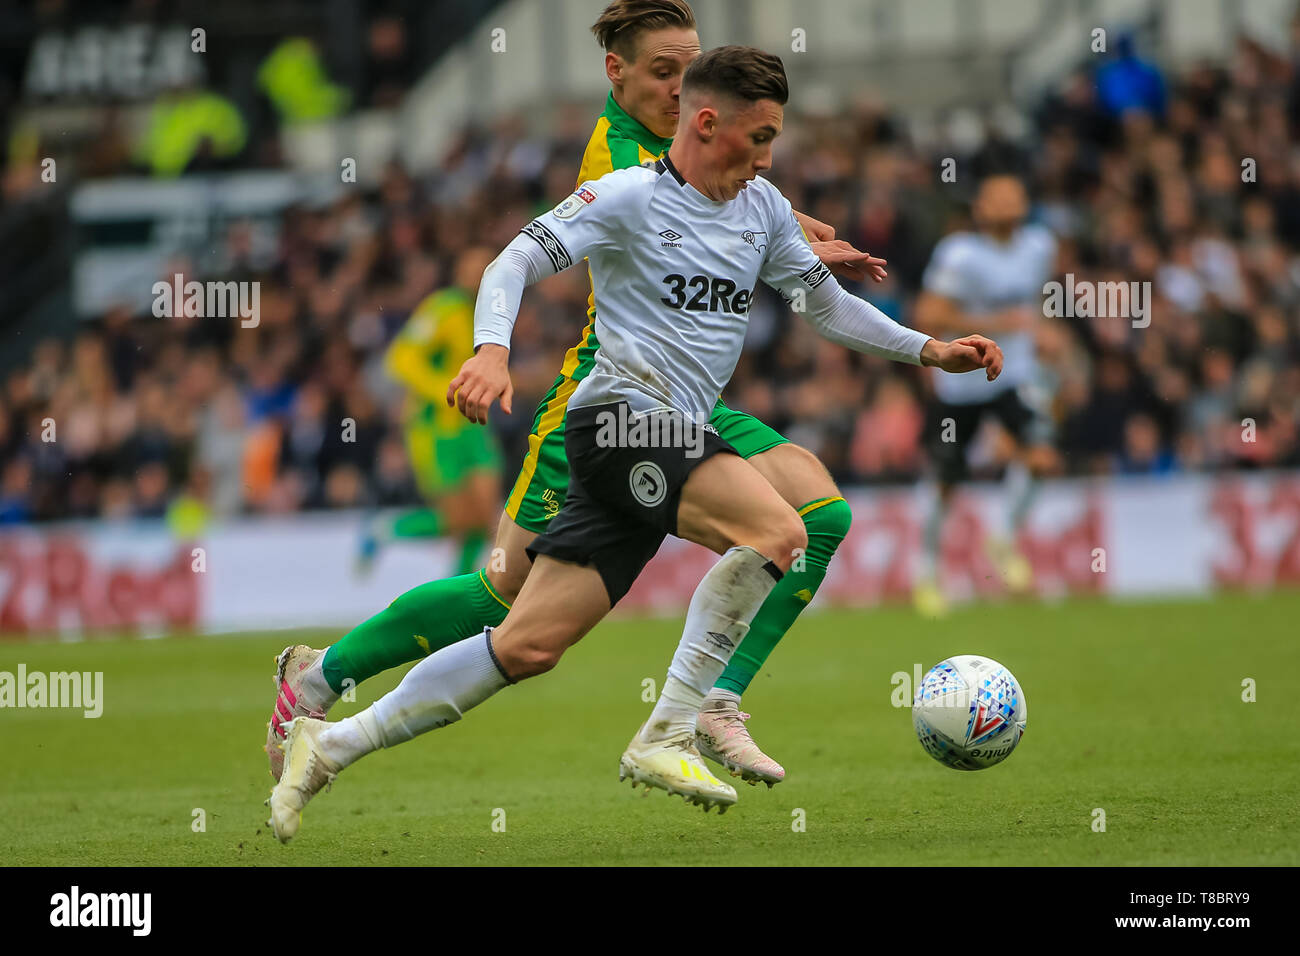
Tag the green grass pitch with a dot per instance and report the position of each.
(1133, 708)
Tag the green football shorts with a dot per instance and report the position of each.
(442, 459)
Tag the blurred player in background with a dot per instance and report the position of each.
(457, 466)
(988, 281)
(649, 44)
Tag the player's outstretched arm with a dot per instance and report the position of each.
(848, 263)
(790, 267)
(847, 320)
(839, 256)
(814, 229)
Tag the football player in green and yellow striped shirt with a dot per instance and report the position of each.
(457, 466)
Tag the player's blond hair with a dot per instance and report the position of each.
(623, 21)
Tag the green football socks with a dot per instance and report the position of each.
(415, 625)
(418, 523)
(827, 521)
(427, 523)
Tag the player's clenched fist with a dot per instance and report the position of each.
(964, 355)
(481, 381)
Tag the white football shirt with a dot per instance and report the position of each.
(673, 273)
(983, 275)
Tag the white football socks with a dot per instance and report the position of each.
(718, 618)
(435, 692)
(316, 691)
(727, 695)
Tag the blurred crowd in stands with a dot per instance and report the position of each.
(1188, 181)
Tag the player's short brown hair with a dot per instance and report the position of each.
(623, 21)
(744, 72)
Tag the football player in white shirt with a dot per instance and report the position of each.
(671, 316)
(990, 281)
(648, 46)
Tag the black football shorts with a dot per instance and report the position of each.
(625, 485)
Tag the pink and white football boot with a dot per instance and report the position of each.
(290, 666)
(721, 735)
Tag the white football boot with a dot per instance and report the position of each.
(1013, 567)
(290, 665)
(721, 735)
(306, 771)
(674, 765)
